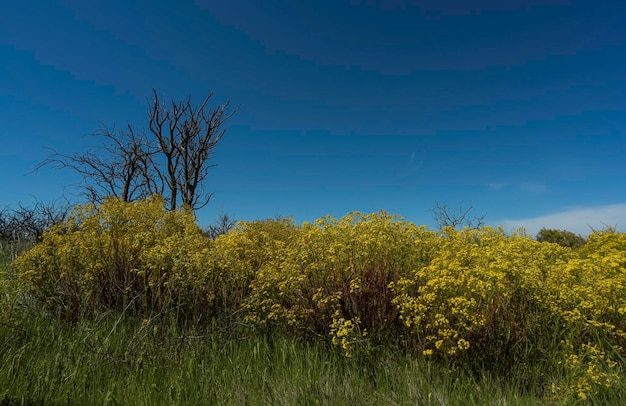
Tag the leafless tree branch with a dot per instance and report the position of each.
(187, 136)
(445, 216)
(172, 158)
(23, 226)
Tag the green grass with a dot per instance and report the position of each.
(99, 362)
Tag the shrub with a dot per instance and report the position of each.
(333, 276)
(483, 290)
(132, 256)
(561, 237)
(238, 256)
(502, 302)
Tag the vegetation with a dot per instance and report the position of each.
(561, 237)
(129, 362)
(21, 227)
(367, 308)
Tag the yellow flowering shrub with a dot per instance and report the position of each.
(504, 300)
(238, 256)
(135, 256)
(587, 370)
(481, 291)
(590, 293)
(333, 276)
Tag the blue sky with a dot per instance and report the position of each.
(518, 106)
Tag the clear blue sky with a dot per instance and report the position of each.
(517, 106)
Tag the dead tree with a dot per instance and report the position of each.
(172, 158)
(445, 216)
(186, 136)
(120, 168)
(23, 227)
(223, 225)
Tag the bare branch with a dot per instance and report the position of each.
(23, 226)
(445, 216)
(223, 225)
(187, 136)
(172, 158)
(118, 168)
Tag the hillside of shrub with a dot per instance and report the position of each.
(480, 299)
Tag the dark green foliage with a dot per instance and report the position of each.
(561, 237)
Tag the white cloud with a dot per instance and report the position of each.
(578, 220)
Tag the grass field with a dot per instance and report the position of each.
(129, 362)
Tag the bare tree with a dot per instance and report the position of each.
(120, 168)
(223, 225)
(186, 136)
(445, 216)
(22, 227)
(172, 158)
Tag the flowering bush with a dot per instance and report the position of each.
(134, 256)
(238, 256)
(590, 292)
(333, 277)
(483, 289)
(475, 296)
(505, 301)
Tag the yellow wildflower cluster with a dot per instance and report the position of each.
(476, 290)
(136, 256)
(333, 277)
(505, 297)
(346, 333)
(587, 370)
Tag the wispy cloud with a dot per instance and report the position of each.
(578, 220)
(411, 166)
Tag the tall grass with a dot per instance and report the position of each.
(129, 362)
